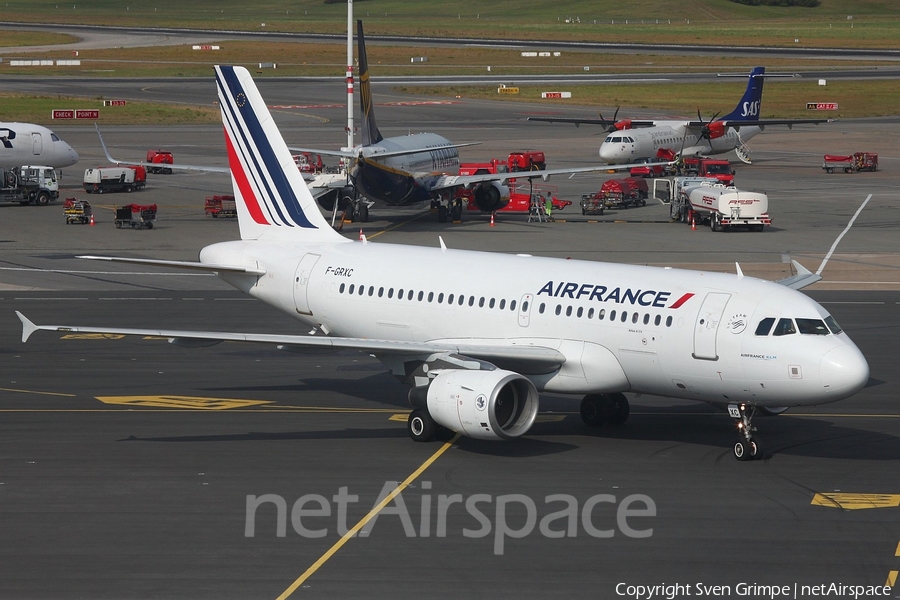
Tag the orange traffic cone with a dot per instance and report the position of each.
(693, 223)
(492, 220)
(92, 218)
(361, 236)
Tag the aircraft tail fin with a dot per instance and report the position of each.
(273, 201)
(748, 109)
(370, 133)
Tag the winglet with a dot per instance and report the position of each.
(27, 326)
(803, 278)
(103, 144)
(740, 273)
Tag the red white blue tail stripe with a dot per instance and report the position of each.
(270, 190)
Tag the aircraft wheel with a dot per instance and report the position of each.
(594, 409)
(456, 213)
(421, 426)
(442, 214)
(742, 450)
(363, 212)
(620, 408)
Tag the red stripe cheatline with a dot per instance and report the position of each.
(240, 177)
(682, 300)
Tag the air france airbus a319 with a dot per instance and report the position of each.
(479, 335)
(30, 144)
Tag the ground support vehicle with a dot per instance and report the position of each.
(622, 193)
(711, 168)
(700, 201)
(521, 197)
(135, 216)
(529, 160)
(309, 162)
(592, 204)
(161, 158)
(29, 185)
(859, 161)
(220, 206)
(114, 179)
(660, 166)
(77, 211)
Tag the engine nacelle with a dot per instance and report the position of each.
(486, 405)
(491, 196)
(715, 130)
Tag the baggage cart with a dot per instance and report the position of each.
(135, 216)
(77, 211)
(220, 206)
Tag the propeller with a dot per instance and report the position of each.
(712, 129)
(616, 125)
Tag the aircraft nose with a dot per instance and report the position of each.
(607, 154)
(844, 370)
(73, 156)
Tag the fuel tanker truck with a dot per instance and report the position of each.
(699, 200)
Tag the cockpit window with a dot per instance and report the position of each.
(629, 140)
(785, 327)
(812, 326)
(833, 325)
(615, 140)
(765, 326)
(54, 137)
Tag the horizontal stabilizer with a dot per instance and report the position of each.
(803, 278)
(179, 264)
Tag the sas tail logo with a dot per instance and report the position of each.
(261, 181)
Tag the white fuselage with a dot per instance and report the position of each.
(669, 332)
(30, 144)
(628, 145)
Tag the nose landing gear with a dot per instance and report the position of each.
(598, 409)
(747, 447)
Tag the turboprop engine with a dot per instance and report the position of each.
(486, 405)
(491, 196)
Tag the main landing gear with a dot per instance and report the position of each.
(423, 428)
(746, 448)
(599, 409)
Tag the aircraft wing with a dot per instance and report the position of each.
(340, 153)
(442, 182)
(761, 123)
(146, 164)
(803, 278)
(591, 121)
(524, 357)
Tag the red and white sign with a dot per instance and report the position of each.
(556, 95)
(62, 114)
(114, 102)
(821, 106)
(87, 113)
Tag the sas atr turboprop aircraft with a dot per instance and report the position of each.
(480, 335)
(30, 144)
(409, 169)
(631, 139)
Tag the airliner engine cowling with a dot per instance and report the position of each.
(486, 405)
(491, 196)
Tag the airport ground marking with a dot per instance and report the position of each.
(848, 501)
(897, 552)
(891, 580)
(398, 225)
(184, 402)
(18, 391)
(362, 522)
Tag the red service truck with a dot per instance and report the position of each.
(859, 161)
(528, 160)
(161, 158)
(711, 168)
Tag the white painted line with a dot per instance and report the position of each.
(43, 299)
(129, 299)
(843, 233)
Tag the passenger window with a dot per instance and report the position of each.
(668, 321)
(502, 303)
(568, 311)
(525, 306)
(646, 319)
(449, 299)
(390, 292)
(362, 290)
(580, 312)
(541, 308)
(380, 292)
(601, 314)
(558, 310)
(409, 295)
(400, 294)
(512, 305)
(430, 296)
(765, 326)
(785, 327)
(481, 302)
(832, 325)
(491, 303)
(341, 289)
(441, 298)
(590, 313)
(371, 290)
(624, 315)
(612, 315)
(461, 300)
(471, 300)
(657, 319)
(812, 327)
(421, 295)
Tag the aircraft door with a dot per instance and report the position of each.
(37, 143)
(301, 283)
(525, 310)
(707, 325)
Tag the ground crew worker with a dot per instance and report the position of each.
(548, 206)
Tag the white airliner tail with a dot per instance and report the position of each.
(273, 202)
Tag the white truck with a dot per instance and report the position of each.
(29, 185)
(703, 201)
(114, 179)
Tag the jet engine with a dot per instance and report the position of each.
(486, 405)
(491, 196)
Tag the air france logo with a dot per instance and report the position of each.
(750, 109)
(619, 295)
